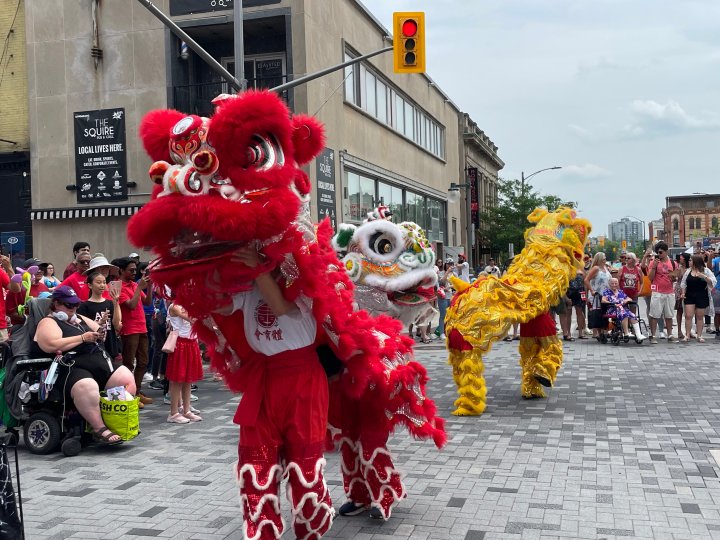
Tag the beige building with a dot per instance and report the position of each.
(391, 139)
(691, 219)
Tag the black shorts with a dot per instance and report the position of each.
(84, 366)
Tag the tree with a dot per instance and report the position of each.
(506, 223)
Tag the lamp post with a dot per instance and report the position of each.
(643, 227)
(454, 197)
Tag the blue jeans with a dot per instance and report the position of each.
(443, 304)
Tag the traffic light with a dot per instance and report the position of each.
(409, 41)
(624, 244)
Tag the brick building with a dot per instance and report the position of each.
(691, 218)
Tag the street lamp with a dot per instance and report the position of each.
(523, 177)
(643, 227)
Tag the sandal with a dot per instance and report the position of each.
(701, 340)
(582, 337)
(684, 340)
(426, 340)
(516, 338)
(104, 436)
(568, 338)
(508, 338)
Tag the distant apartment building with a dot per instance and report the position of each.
(626, 229)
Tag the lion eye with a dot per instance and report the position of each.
(264, 153)
(381, 244)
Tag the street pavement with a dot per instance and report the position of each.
(623, 447)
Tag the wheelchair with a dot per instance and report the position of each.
(47, 419)
(614, 332)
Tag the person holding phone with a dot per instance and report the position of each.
(103, 311)
(662, 273)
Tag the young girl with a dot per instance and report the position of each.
(184, 367)
(97, 305)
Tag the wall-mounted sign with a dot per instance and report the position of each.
(100, 156)
(325, 173)
(472, 174)
(185, 7)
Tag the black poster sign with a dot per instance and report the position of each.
(474, 206)
(325, 172)
(185, 7)
(100, 156)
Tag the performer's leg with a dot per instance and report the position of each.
(530, 388)
(258, 475)
(545, 363)
(306, 417)
(354, 484)
(381, 478)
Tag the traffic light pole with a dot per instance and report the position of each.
(239, 85)
(202, 53)
(323, 72)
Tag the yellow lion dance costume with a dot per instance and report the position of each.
(483, 312)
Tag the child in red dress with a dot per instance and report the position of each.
(184, 367)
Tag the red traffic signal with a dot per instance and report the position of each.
(409, 42)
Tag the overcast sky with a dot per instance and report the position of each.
(623, 94)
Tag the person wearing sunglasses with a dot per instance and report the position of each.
(662, 273)
(77, 281)
(91, 369)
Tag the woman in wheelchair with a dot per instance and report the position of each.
(90, 368)
(616, 301)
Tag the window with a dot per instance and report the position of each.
(714, 223)
(370, 97)
(676, 224)
(391, 197)
(454, 232)
(698, 223)
(692, 223)
(366, 89)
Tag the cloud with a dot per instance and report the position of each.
(588, 171)
(650, 118)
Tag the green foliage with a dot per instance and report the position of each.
(506, 223)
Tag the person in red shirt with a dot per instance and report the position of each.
(17, 299)
(78, 279)
(630, 278)
(79, 247)
(134, 330)
(6, 287)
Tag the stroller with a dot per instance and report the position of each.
(615, 334)
(47, 419)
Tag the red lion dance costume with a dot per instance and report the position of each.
(234, 181)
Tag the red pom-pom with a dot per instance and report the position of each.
(308, 137)
(155, 132)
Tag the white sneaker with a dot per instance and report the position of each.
(193, 397)
(147, 377)
(663, 335)
(442, 336)
(177, 419)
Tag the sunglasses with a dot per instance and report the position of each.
(69, 306)
(660, 251)
(84, 263)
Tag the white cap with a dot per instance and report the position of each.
(133, 256)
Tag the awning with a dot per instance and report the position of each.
(75, 213)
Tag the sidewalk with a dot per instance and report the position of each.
(621, 448)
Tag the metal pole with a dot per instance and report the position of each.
(239, 44)
(318, 74)
(469, 224)
(202, 53)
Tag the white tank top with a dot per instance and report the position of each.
(181, 326)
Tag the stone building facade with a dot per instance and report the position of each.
(393, 139)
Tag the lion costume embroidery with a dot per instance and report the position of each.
(482, 313)
(234, 181)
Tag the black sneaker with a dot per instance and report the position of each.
(156, 384)
(375, 513)
(193, 387)
(351, 509)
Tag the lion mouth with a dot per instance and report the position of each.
(194, 246)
